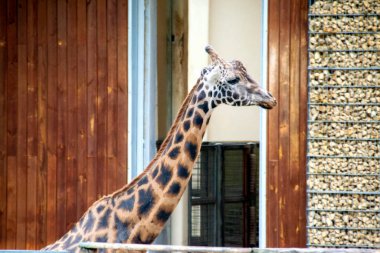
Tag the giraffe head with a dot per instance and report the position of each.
(232, 85)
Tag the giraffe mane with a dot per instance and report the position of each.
(164, 143)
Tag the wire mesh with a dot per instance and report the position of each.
(343, 170)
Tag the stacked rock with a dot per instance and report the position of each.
(344, 124)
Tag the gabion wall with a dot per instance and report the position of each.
(344, 124)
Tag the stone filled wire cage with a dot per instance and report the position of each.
(343, 171)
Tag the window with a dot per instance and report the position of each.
(224, 196)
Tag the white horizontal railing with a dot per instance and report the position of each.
(177, 248)
(155, 247)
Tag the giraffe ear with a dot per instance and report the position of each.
(214, 75)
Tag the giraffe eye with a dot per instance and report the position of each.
(234, 81)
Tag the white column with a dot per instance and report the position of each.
(263, 130)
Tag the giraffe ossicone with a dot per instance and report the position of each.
(137, 212)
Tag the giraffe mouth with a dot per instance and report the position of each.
(268, 104)
(265, 106)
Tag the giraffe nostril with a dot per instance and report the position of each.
(270, 95)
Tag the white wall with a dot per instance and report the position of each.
(233, 28)
(198, 39)
(235, 32)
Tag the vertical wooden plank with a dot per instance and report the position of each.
(21, 125)
(42, 125)
(12, 96)
(12, 68)
(31, 203)
(3, 122)
(294, 124)
(179, 54)
(62, 117)
(283, 148)
(91, 102)
(72, 117)
(122, 87)
(52, 123)
(32, 78)
(112, 174)
(11, 204)
(287, 74)
(112, 94)
(31, 124)
(303, 94)
(12, 131)
(272, 137)
(82, 107)
(101, 103)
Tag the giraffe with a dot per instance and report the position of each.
(138, 212)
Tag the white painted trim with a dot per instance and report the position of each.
(142, 82)
(150, 77)
(131, 69)
(263, 128)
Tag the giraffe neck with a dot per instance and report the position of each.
(138, 212)
(164, 183)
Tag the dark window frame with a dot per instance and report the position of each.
(213, 164)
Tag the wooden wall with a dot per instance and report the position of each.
(63, 113)
(286, 149)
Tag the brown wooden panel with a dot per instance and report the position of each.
(91, 102)
(3, 127)
(92, 180)
(112, 94)
(72, 117)
(62, 117)
(283, 149)
(272, 147)
(52, 122)
(294, 124)
(82, 106)
(286, 192)
(31, 222)
(303, 94)
(122, 88)
(21, 120)
(11, 106)
(101, 103)
(41, 216)
(31, 124)
(63, 113)
(11, 204)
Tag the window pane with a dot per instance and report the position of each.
(233, 224)
(203, 225)
(203, 179)
(233, 173)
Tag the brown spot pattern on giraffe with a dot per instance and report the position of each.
(137, 212)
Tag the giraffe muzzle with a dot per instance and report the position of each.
(268, 102)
